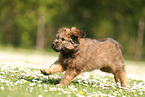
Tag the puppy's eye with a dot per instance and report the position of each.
(62, 39)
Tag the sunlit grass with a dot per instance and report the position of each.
(23, 81)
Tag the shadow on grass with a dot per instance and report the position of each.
(51, 81)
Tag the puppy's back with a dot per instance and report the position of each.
(98, 54)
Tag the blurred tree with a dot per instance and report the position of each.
(139, 41)
(40, 42)
(34, 23)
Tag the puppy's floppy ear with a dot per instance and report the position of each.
(77, 33)
(75, 39)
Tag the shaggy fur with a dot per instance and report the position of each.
(79, 54)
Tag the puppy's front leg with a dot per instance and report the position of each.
(68, 76)
(56, 67)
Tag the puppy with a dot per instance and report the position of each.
(79, 54)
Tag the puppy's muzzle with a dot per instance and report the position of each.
(55, 43)
(56, 46)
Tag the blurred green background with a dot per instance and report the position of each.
(34, 23)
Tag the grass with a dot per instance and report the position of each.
(20, 77)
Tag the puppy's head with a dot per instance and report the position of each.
(67, 39)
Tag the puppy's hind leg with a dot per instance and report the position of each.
(120, 76)
(53, 69)
(123, 79)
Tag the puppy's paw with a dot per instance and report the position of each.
(45, 71)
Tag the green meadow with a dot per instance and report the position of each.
(20, 77)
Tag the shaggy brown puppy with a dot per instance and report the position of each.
(79, 54)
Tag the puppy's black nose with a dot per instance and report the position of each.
(53, 44)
